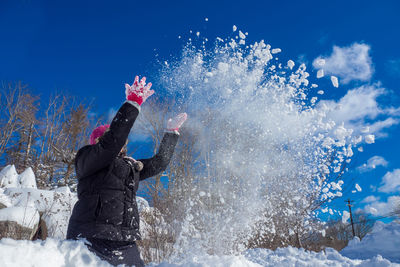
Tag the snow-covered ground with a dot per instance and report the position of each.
(53, 252)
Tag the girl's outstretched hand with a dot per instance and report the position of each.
(138, 92)
(175, 123)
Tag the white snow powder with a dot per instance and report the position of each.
(320, 62)
(290, 64)
(358, 188)
(335, 81)
(369, 138)
(320, 73)
(276, 51)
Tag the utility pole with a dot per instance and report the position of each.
(351, 216)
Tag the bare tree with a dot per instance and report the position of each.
(11, 102)
(44, 139)
(76, 129)
(50, 136)
(21, 142)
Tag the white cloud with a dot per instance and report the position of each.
(348, 63)
(359, 108)
(372, 163)
(394, 111)
(370, 199)
(381, 208)
(390, 182)
(378, 126)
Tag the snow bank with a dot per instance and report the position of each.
(298, 257)
(383, 240)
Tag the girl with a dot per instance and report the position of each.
(106, 213)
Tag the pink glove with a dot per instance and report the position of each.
(175, 123)
(138, 92)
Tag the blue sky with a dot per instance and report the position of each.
(91, 48)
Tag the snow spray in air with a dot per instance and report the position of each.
(267, 148)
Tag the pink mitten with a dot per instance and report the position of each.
(138, 92)
(175, 123)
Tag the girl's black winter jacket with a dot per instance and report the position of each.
(107, 182)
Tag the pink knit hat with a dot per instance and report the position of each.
(99, 131)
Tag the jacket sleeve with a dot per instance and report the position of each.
(92, 158)
(160, 161)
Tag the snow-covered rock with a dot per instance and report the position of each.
(384, 240)
(9, 177)
(25, 203)
(18, 222)
(54, 205)
(27, 179)
(25, 216)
